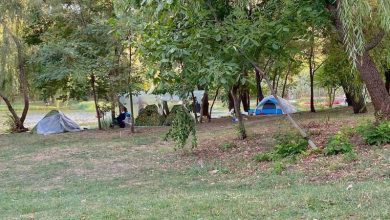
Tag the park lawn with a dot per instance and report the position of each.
(117, 175)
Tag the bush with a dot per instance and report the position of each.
(338, 144)
(376, 134)
(350, 156)
(182, 128)
(227, 146)
(289, 144)
(172, 114)
(106, 123)
(279, 167)
(264, 157)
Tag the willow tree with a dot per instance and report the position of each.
(13, 75)
(362, 25)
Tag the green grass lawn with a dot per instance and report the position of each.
(117, 175)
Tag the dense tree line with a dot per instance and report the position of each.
(76, 49)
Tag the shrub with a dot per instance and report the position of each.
(289, 144)
(279, 167)
(182, 127)
(264, 157)
(172, 114)
(350, 156)
(376, 134)
(337, 144)
(227, 146)
(106, 123)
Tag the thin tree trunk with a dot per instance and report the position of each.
(131, 111)
(230, 101)
(311, 66)
(334, 96)
(194, 107)
(277, 84)
(241, 127)
(19, 125)
(330, 104)
(245, 99)
(98, 115)
(165, 108)
(113, 105)
(274, 80)
(212, 104)
(285, 80)
(260, 95)
(130, 89)
(204, 108)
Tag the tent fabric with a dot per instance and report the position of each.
(55, 122)
(270, 106)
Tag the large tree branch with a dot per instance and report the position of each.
(375, 40)
(303, 133)
(338, 24)
(319, 66)
(10, 108)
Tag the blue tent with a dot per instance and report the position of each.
(270, 106)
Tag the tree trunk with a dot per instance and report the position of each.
(194, 107)
(246, 102)
(368, 70)
(277, 84)
(212, 104)
(358, 104)
(274, 81)
(285, 80)
(130, 88)
(334, 96)
(98, 114)
(260, 95)
(165, 108)
(330, 93)
(387, 78)
(204, 108)
(231, 101)
(375, 86)
(19, 125)
(19, 122)
(131, 111)
(241, 127)
(355, 99)
(311, 66)
(113, 101)
(348, 97)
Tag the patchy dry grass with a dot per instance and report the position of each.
(118, 175)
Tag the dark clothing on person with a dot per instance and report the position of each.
(121, 119)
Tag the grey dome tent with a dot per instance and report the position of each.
(55, 122)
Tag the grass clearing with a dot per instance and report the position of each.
(118, 175)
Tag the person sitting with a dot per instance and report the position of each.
(122, 117)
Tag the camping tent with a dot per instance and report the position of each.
(143, 99)
(270, 106)
(55, 122)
